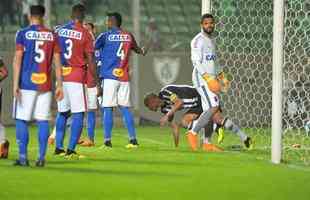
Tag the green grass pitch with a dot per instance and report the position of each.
(154, 171)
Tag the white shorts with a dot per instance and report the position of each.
(74, 98)
(33, 104)
(92, 98)
(115, 93)
(208, 98)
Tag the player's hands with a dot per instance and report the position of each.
(163, 120)
(59, 93)
(144, 51)
(16, 93)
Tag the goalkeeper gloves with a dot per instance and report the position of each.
(213, 83)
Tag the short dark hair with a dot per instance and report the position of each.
(206, 16)
(90, 24)
(37, 10)
(148, 97)
(117, 17)
(78, 11)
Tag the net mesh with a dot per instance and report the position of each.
(244, 42)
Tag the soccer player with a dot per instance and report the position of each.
(182, 97)
(91, 97)
(32, 82)
(77, 55)
(173, 98)
(4, 143)
(209, 79)
(115, 47)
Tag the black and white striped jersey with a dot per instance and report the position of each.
(186, 93)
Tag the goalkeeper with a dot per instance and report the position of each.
(209, 80)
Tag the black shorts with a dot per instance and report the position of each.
(194, 110)
(198, 110)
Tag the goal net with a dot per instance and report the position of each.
(244, 42)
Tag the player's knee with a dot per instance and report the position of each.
(217, 118)
(185, 123)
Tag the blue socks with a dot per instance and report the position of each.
(129, 122)
(91, 124)
(22, 138)
(108, 122)
(61, 121)
(43, 133)
(76, 129)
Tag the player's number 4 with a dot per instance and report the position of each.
(120, 52)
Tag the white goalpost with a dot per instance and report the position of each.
(277, 65)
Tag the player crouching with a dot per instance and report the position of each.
(173, 98)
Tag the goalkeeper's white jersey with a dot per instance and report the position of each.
(203, 57)
(204, 61)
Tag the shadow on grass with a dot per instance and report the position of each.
(120, 172)
(87, 171)
(146, 162)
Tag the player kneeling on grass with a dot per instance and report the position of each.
(173, 98)
(4, 143)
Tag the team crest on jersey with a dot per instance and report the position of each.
(166, 69)
(36, 35)
(67, 33)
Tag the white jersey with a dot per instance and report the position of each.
(204, 58)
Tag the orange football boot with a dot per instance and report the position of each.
(51, 140)
(211, 148)
(192, 140)
(87, 143)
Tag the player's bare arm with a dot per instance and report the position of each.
(3, 71)
(140, 50)
(175, 133)
(16, 73)
(58, 71)
(176, 106)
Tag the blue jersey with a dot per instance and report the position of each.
(38, 45)
(115, 47)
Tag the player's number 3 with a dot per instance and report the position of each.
(69, 44)
(40, 53)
